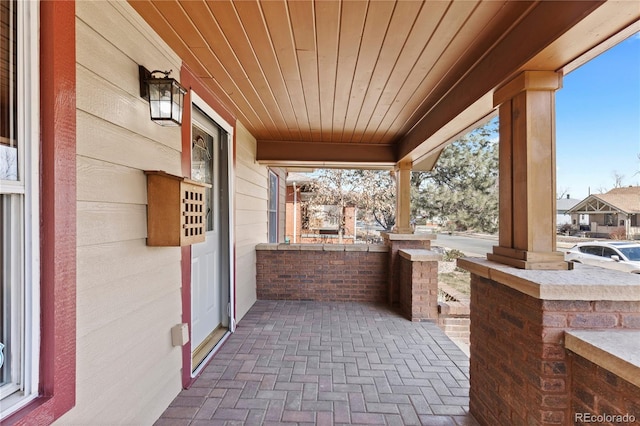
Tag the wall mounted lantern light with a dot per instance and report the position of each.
(165, 96)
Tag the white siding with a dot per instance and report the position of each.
(252, 191)
(128, 294)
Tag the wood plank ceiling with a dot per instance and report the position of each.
(366, 81)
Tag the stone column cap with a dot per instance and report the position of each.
(583, 283)
(420, 255)
(393, 236)
(617, 351)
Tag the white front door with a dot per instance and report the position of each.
(209, 287)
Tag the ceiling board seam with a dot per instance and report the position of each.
(466, 73)
(334, 77)
(315, 45)
(279, 73)
(249, 82)
(366, 14)
(355, 70)
(390, 73)
(422, 53)
(307, 99)
(386, 32)
(277, 60)
(260, 68)
(295, 54)
(435, 62)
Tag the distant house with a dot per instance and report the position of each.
(307, 223)
(563, 205)
(615, 212)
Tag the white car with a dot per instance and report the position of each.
(623, 256)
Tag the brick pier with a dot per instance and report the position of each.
(521, 372)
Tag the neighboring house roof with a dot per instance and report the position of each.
(564, 204)
(298, 178)
(618, 200)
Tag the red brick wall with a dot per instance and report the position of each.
(598, 392)
(418, 289)
(457, 328)
(519, 368)
(322, 275)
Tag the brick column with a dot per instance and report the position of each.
(519, 368)
(397, 242)
(418, 289)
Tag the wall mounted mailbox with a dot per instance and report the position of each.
(175, 210)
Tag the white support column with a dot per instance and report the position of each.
(403, 198)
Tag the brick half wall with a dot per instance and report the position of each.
(329, 273)
(597, 392)
(520, 372)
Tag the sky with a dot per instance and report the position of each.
(598, 122)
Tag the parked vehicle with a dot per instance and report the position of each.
(623, 256)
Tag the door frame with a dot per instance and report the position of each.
(188, 377)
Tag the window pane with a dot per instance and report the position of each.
(273, 207)
(273, 192)
(4, 314)
(11, 293)
(202, 162)
(273, 227)
(8, 59)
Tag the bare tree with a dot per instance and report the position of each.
(617, 179)
(562, 192)
(8, 163)
(371, 191)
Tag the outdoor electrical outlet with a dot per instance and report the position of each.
(180, 334)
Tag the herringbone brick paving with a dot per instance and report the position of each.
(329, 363)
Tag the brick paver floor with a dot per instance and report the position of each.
(329, 364)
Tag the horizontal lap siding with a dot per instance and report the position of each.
(128, 294)
(251, 195)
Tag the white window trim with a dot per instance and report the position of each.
(269, 211)
(28, 119)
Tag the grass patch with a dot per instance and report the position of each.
(460, 281)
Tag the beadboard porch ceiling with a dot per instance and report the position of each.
(371, 83)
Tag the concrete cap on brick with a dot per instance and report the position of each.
(333, 247)
(356, 247)
(615, 350)
(583, 283)
(286, 247)
(407, 237)
(378, 248)
(374, 248)
(267, 246)
(420, 255)
(311, 247)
